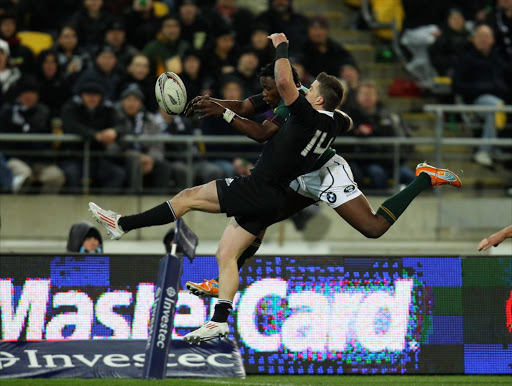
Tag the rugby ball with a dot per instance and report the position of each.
(170, 93)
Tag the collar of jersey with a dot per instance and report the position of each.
(329, 113)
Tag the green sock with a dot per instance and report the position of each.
(249, 252)
(393, 207)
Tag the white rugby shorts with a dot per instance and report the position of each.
(333, 183)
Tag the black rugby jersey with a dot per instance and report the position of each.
(299, 143)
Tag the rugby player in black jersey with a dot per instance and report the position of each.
(312, 126)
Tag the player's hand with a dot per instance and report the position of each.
(278, 38)
(208, 108)
(494, 240)
(190, 107)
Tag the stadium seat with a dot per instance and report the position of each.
(160, 9)
(387, 11)
(36, 41)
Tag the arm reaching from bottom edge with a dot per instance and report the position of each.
(495, 239)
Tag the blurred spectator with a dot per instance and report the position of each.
(28, 116)
(226, 14)
(169, 240)
(321, 53)
(84, 238)
(167, 47)
(118, 7)
(479, 77)
(138, 73)
(221, 58)
(305, 77)
(104, 72)
(452, 42)
(280, 17)
(500, 19)
(45, 15)
(351, 75)
(192, 75)
(90, 116)
(147, 165)
(231, 90)
(115, 37)
(261, 44)
(247, 73)
(371, 119)
(420, 30)
(176, 125)
(91, 22)
(242, 166)
(194, 27)
(72, 59)
(8, 75)
(20, 56)
(144, 25)
(54, 89)
(6, 184)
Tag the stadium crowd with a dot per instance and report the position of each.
(88, 67)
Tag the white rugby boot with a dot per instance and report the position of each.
(108, 219)
(206, 332)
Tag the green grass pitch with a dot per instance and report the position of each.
(282, 380)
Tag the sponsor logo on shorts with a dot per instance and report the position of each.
(331, 197)
(349, 189)
(229, 181)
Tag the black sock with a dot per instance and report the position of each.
(222, 310)
(159, 215)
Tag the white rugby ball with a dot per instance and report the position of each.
(170, 93)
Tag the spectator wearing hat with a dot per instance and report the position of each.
(166, 50)
(104, 72)
(226, 14)
(247, 73)
(20, 56)
(115, 37)
(192, 75)
(321, 53)
(8, 75)
(138, 74)
(28, 116)
(72, 59)
(89, 115)
(261, 44)
(222, 58)
(146, 161)
(194, 27)
(91, 21)
(280, 17)
(84, 238)
(55, 89)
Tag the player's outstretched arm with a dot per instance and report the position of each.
(283, 70)
(495, 239)
(254, 130)
(243, 108)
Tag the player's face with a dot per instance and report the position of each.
(312, 95)
(270, 94)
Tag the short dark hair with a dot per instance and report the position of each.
(331, 89)
(268, 70)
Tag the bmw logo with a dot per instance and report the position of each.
(331, 197)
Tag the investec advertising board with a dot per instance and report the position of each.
(293, 315)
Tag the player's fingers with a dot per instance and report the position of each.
(483, 244)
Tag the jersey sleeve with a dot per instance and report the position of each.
(303, 110)
(260, 106)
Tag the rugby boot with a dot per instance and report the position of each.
(108, 219)
(208, 288)
(208, 331)
(439, 176)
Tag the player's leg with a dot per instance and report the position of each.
(202, 198)
(232, 244)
